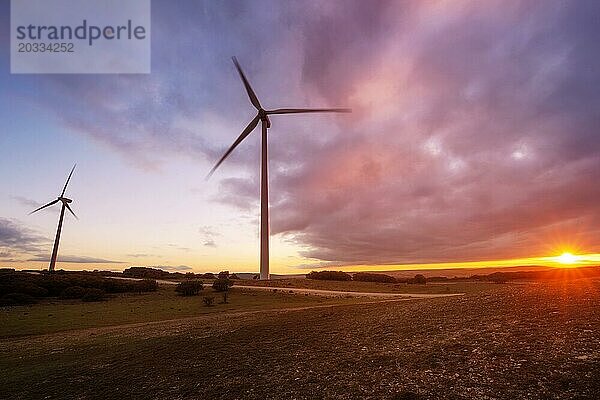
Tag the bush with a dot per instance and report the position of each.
(93, 295)
(418, 279)
(15, 299)
(189, 288)
(73, 292)
(147, 285)
(42, 285)
(223, 275)
(145, 272)
(222, 284)
(370, 277)
(208, 300)
(329, 276)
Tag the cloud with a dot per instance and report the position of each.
(444, 97)
(74, 259)
(473, 136)
(139, 255)
(178, 247)
(208, 235)
(15, 238)
(172, 268)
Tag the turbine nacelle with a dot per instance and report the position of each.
(65, 200)
(264, 117)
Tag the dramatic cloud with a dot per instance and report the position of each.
(474, 132)
(16, 239)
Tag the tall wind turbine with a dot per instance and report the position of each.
(263, 117)
(65, 204)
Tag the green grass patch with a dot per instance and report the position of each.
(54, 315)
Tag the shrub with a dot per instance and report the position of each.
(189, 288)
(418, 279)
(73, 292)
(31, 289)
(93, 295)
(222, 284)
(329, 276)
(145, 272)
(40, 285)
(147, 285)
(223, 275)
(370, 277)
(15, 299)
(208, 300)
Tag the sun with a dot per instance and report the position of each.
(566, 258)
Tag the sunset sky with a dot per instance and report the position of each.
(474, 138)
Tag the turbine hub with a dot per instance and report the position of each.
(64, 199)
(262, 114)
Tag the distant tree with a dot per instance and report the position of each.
(370, 277)
(146, 272)
(223, 275)
(329, 276)
(233, 276)
(189, 288)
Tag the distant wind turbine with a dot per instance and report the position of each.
(65, 204)
(263, 117)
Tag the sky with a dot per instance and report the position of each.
(473, 139)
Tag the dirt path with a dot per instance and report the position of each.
(338, 293)
(335, 293)
(170, 324)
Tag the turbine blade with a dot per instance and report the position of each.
(251, 94)
(69, 208)
(242, 136)
(68, 179)
(42, 207)
(308, 110)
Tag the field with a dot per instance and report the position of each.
(356, 286)
(512, 341)
(59, 315)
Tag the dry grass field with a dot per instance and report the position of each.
(525, 341)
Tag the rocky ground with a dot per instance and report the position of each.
(532, 341)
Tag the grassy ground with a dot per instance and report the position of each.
(352, 286)
(533, 341)
(59, 315)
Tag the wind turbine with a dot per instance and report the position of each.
(65, 204)
(263, 117)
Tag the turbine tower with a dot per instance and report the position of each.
(65, 204)
(263, 117)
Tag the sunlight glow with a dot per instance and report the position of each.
(567, 258)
